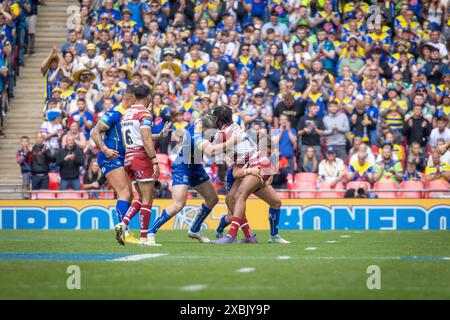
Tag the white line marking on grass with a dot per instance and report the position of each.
(245, 270)
(283, 258)
(194, 287)
(310, 248)
(446, 258)
(139, 257)
(331, 241)
(345, 236)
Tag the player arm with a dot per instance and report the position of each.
(213, 150)
(241, 172)
(96, 135)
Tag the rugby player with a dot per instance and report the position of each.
(140, 163)
(246, 156)
(112, 155)
(188, 171)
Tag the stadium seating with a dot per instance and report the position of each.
(42, 195)
(417, 186)
(70, 195)
(386, 185)
(306, 177)
(442, 186)
(357, 184)
(304, 185)
(332, 194)
(54, 180)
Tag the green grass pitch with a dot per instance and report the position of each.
(414, 265)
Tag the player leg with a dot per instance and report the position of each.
(179, 195)
(208, 192)
(225, 220)
(270, 196)
(248, 185)
(145, 190)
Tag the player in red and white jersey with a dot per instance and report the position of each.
(140, 161)
(245, 157)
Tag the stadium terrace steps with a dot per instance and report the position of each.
(25, 117)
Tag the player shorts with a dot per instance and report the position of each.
(191, 175)
(230, 179)
(139, 167)
(107, 165)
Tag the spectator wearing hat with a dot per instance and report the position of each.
(388, 169)
(81, 93)
(50, 70)
(259, 111)
(336, 129)
(332, 168)
(69, 159)
(52, 130)
(127, 24)
(299, 80)
(40, 164)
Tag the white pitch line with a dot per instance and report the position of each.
(331, 241)
(345, 236)
(194, 287)
(446, 258)
(310, 248)
(245, 270)
(283, 258)
(139, 257)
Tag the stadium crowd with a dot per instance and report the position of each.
(349, 90)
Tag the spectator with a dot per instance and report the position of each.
(52, 131)
(361, 122)
(437, 170)
(332, 168)
(267, 72)
(411, 172)
(40, 161)
(258, 112)
(416, 155)
(388, 169)
(397, 150)
(309, 161)
(70, 159)
(417, 128)
(440, 132)
(23, 158)
(445, 158)
(370, 158)
(361, 169)
(311, 129)
(93, 179)
(286, 137)
(336, 129)
(84, 118)
(79, 137)
(290, 107)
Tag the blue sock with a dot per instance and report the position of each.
(163, 218)
(274, 219)
(121, 209)
(222, 224)
(199, 218)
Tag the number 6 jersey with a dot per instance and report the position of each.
(135, 118)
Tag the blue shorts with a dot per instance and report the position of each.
(108, 165)
(230, 179)
(191, 175)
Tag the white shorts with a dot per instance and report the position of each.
(31, 21)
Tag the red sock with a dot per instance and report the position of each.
(245, 227)
(234, 228)
(146, 211)
(132, 210)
